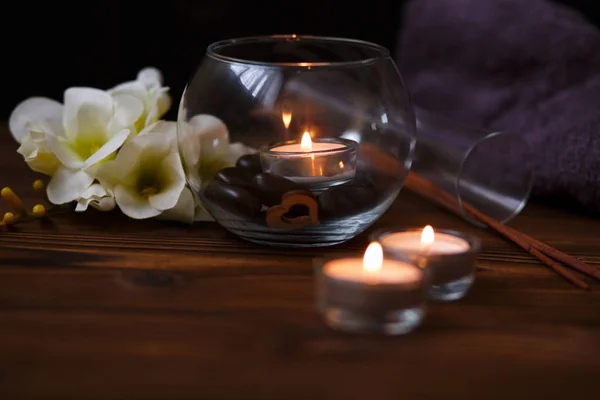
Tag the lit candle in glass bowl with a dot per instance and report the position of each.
(371, 294)
(449, 257)
(316, 164)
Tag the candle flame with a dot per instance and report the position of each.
(286, 117)
(373, 258)
(341, 165)
(306, 143)
(427, 236)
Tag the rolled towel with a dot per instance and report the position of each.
(532, 67)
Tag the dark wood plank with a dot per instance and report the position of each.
(97, 306)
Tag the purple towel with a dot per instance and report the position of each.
(530, 66)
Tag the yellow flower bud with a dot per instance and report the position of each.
(12, 200)
(38, 185)
(39, 211)
(9, 218)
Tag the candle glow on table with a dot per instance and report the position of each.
(372, 269)
(426, 241)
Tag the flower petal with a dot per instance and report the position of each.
(67, 185)
(133, 205)
(211, 132)
(189, 145)
(173, 185)
(64, 152)
(159, 138)
(87, 111)
(31, 110)
(37, 154)
(97, 197)
(108, 148)
(120, 170)
(151, 77)
(183, 211)
(201, 214)
(165, 128)
(236, 150)
(164, 102)
(107, 203)
(52, 126)
(128, 109)
(133, 88)
(160, 102)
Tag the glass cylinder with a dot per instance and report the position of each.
(323, 132)
(492, 171)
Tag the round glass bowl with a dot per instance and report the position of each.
(296, 141)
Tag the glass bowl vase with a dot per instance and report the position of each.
(296, 141)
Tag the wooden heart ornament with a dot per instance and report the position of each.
(279, 217)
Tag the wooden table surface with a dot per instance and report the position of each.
(97, 306)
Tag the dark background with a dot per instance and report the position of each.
(50, 46)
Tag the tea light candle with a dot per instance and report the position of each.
(317, 163)
(307, 145)
(449, 256)
(371, 294)
(425, 241)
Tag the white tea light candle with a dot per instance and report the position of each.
(372, 269)
(315, 164)
(306, 146)
(449, 256)
(371, 294)
(425, 241)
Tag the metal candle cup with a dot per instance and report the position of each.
(451, 261)
(317, 164)
(389, 300)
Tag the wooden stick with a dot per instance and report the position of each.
(536, 244)
(439, 196)
(518, 239)
(565, 258)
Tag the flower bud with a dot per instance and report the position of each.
(9, 218)
(39, 211)
(38, 185)
(12, 200)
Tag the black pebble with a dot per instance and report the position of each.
(269, 188)
(250, 162)
(234, 199)
(347, 200)
(236, 176)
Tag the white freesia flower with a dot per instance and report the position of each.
(87, 130)
(96, 196)
(36, 152)
(184, 210)
(34, 110)
(147, 176)
(28, 123)
(149, 90)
